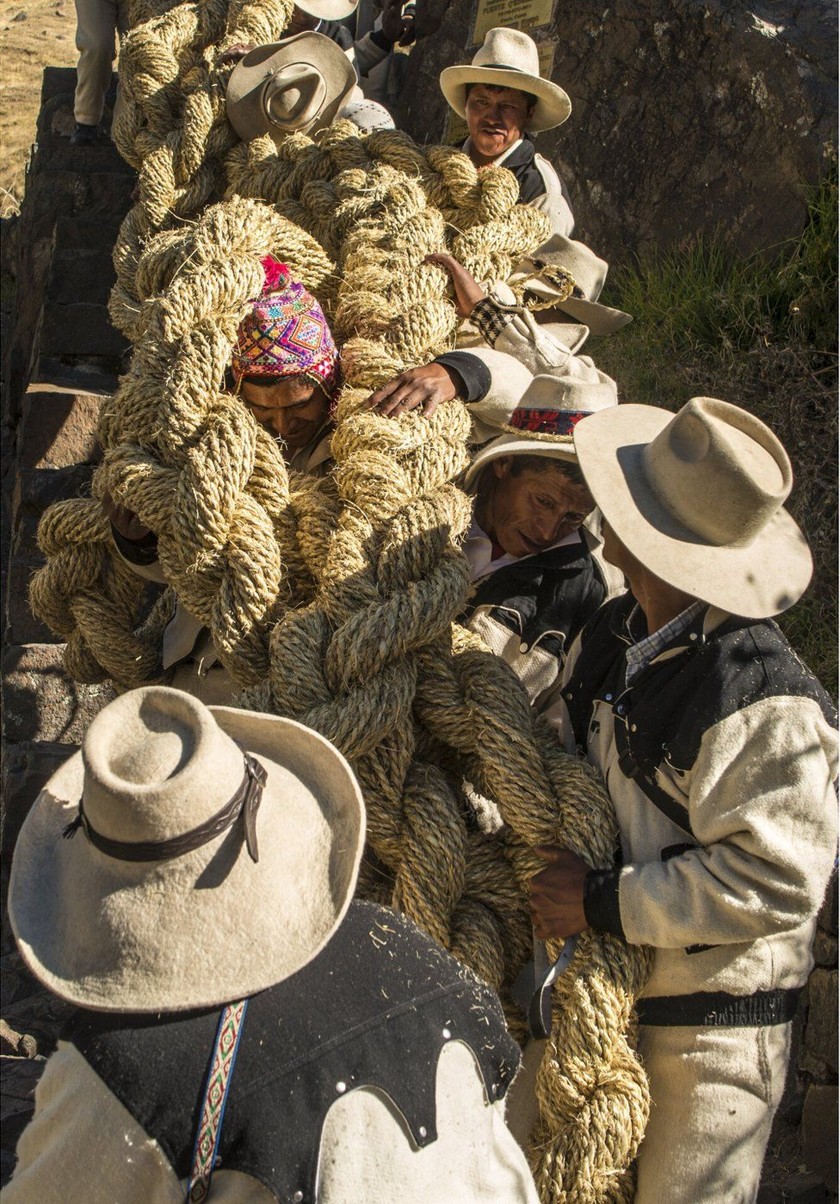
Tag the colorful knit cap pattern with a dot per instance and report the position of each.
(286, 334)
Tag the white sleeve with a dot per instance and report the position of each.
(554, 201)
(368, 1154)
(762, 807)
(84, 1144)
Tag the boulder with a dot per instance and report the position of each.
(687, 116)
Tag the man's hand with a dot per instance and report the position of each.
(425, 387)
(125, 521)
(234, 53)
(557, 894)
(468, 292)
(395, 26)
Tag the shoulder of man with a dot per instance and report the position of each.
(679, 698)
(374, 1008)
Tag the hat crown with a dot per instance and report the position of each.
(508, 48)
(719, 471)
(294, 95)
(156, 765)
(588, 271)
(569, 394)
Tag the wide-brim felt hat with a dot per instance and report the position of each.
(328, 10)
(697, 497)
(542, 423)
(298, 85)
(509, 59)
(174, 931)
(567, 275)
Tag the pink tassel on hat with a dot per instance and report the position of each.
(276, 274)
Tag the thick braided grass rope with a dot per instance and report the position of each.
(333, 600)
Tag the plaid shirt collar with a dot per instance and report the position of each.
(643, 650)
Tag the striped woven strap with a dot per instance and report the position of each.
(216, 1089)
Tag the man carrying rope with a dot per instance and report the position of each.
(719, 750)
(502, 96)
(244, 1030)
(537, 569)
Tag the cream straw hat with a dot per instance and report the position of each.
(697, 498)
(217, 854)
(565, 274)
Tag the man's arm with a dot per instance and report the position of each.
(762, 808)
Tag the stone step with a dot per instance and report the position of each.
(35, 489)
(58, 423)
(41, 703)
(80, 331)
(26, 769)
(82, 269)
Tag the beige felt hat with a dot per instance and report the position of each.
(697, 498)
(295, 86)
(510, 59)
(328, 10)
(565, 274)
(156, 902)
(542, 421)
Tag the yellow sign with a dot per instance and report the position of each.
(514, 14)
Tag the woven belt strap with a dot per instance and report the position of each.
(717, 1009)
(209, 1134)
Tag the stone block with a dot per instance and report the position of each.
(26, 768)
(825, 949)
(58, 427)
(819, 1133)
(81, 276)
(21, 625)
(41, 702)
(80, 330)
(804, 1188)
(85, 233)
(820, 1044)
(37, 488)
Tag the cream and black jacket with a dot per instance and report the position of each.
(530, 611)
(720, 759)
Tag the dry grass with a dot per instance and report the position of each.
(45, 36)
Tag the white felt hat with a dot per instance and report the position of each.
(156, 902)
(509, 59)
(542, 421)
(567, 275)
(294, 86)
(328, 10)
(697, 498)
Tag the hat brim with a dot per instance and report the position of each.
(755, 582)
(515, 445)
(210, 926)
(328, 10)
(599, 318)
(552, 108)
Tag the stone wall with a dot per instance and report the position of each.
(61, 356)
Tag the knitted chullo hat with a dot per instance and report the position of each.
(286, 334)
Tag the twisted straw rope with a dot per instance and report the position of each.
(332, 600)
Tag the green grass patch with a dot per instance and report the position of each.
(759, 331)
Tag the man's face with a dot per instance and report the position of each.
(293, 409)
(531, 510)
(496, 117)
